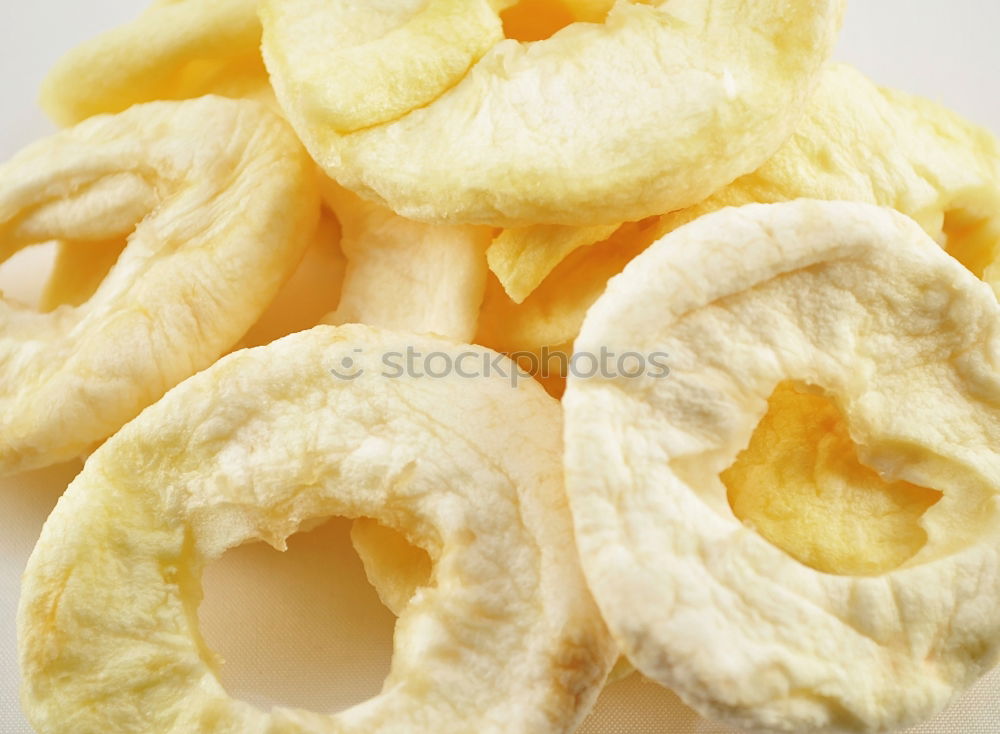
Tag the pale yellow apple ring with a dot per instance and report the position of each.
(426, 108)
(508, 640)
(217, 200)
(857, 142)
(849, 299)
(176, 49)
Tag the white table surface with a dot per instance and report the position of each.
(304, 628)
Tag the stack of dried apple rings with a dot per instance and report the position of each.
(794, 526)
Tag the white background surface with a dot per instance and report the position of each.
(304, 629)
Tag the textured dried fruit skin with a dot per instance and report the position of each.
(857, 142)
(177, 49)
(424, 48)
(307, 296)
(404, 276)
(213, 232)
(860, 142)
(859, 304)
(553, 132)
(509, 640)
(363, 64)
(408, 276)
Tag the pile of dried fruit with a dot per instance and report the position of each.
(313, 255)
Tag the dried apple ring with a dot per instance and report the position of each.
(849, 302)
(213, 230)
(307, 296)
(425, 108)
(256, 447)
(408, 276)
(176, 49)
(865, 143)
(858, 142)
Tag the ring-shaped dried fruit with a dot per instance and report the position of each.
(266, 441)
(858, 142)
(426, 107)
(848, 303)
(213, 231)
(176, 49)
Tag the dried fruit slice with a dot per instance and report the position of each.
(177, 49)
(858, 142)
(408, 276)
(213, 231)
(522, 259)
(307, 296)
(551, 316)
(256, 447)
(850, 302)
(426, 108)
